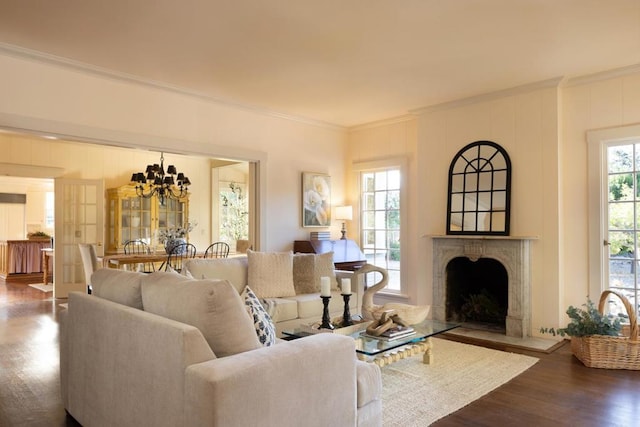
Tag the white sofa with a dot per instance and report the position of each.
(291, 310)
(127, 359)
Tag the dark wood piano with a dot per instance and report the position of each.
(346, 253)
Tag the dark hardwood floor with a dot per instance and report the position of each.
(557, 391)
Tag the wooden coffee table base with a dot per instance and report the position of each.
(400, 353)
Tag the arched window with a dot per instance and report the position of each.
(479, 190)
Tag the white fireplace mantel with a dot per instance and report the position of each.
(512, 252)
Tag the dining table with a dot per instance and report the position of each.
(120, 260)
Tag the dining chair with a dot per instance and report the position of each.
(217, 250)
(178, 254)
(141, 248)
(89, 262)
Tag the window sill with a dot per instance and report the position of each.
(383, 297)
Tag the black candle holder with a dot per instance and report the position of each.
(346, 315)
(326, 320)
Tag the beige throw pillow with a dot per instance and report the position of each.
(304, 277)
(212, 306)
(325, 267)
(118, 286)
(309, 268)
(270, 274)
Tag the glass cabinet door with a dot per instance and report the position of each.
(171, 214)
(135, 219)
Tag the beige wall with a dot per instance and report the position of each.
(542, 128)
(58, 99)
(588, 104)
(544, 131)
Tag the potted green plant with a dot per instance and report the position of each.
(601, 340)
(587, 322)
(38, 235)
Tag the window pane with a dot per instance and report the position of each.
(620, 158)
(368, 182)
(381, 181)
(620, 216)
(393, 180)
(381, 200)
(368, 201)
(381, 222)
(620, 187)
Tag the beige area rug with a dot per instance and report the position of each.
(415, 394)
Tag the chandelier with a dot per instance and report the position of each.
(154, 181)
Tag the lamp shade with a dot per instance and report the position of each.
(344, 213)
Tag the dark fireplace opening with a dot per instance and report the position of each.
(477, 293)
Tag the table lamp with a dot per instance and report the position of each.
(344, 213)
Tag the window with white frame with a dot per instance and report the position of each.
(380, 221)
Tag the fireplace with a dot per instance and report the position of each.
(509, 253)
(477, 293)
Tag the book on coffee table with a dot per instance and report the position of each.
(394, 333)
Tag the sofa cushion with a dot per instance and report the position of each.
(233, 270)
(310, 305)
(262, 322)
(212, 306)
(270, 274)
(118, 286)
(281, 309)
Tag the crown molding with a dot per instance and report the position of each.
(382, 122)
(543, 84)
(77, 66)
(603, 75)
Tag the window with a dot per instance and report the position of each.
(614, 214)
(623, 225)
(49, 209)
(380, 219)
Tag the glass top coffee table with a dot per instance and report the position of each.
(384, 351)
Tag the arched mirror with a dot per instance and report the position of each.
(479, 190)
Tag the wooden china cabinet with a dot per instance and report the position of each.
(131, 217)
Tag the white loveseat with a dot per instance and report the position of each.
(131, 355)
(302, 302)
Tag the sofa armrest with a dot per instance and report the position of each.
(309, 381)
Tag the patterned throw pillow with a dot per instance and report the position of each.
(261, 320)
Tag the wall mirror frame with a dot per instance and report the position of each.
(479, 191)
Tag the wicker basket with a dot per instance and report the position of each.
(610, 352)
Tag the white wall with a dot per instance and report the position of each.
(588, 104)
(57, 99)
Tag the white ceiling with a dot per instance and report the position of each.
(344, 62)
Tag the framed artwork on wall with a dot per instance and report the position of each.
(316, 199)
